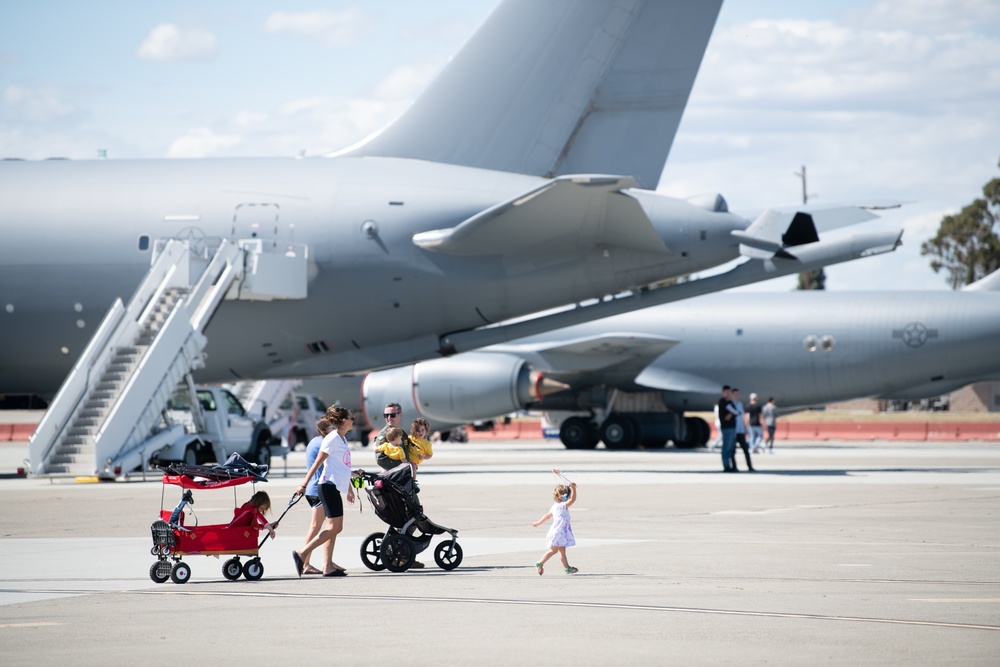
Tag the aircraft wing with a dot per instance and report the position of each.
(592, 353)
(777, 229)
(567, 212)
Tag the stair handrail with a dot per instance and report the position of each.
(225, 267)
(109, 335)
(73, 389)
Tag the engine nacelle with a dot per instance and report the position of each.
(456, 390)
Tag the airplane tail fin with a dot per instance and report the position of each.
(988, 283)
(776, 230)
(560, 87)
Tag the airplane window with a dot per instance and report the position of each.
(143, 243)
(810, 343)
(828, 343)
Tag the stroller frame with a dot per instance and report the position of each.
(392, 493)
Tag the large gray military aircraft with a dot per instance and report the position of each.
(635, 375)
(513, 185)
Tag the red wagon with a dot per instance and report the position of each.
(173, 539)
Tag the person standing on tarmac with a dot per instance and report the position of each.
(727, 421)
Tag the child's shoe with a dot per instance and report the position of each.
(541, 570)
(570, 570)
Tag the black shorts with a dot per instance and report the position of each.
(314, 501)
(333, 504)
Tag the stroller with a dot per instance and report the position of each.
(393, 494)
(173, 539)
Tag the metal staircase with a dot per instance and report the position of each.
(106, 419)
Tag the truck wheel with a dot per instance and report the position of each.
(261, 452)
(191, 455)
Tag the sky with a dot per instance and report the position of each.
(896, 100)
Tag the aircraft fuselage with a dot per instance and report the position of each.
(79, 234)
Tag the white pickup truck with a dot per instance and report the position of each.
(212, 427)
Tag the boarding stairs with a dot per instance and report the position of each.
(107, 418)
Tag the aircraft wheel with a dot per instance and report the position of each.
(697, 432)
(578, 433)
(397, 553)
(159, 571)
(619, 432)
(448, 556)
(253, 570)
(371, 552)
(232, 569)
(180, 573)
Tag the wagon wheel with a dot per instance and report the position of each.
(253, 570)
(159, 571)
(371, 552)
(180, 573)
(232, 569)
(448, 555)
(397, 553)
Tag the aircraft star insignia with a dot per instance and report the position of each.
(915, 334)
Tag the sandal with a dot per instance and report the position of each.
(541, 570)
(571, 570)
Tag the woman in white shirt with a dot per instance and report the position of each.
(335, 457)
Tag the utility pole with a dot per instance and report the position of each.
(815, 279)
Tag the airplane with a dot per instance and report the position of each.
(517, 182)
(630, 379)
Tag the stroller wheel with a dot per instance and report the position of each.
(398, 553)
(371, 550)
(232, 569)
(159, 571)
(180, 573)
(448, 555)
(253, 570)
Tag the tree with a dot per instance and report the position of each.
(815, 279)
(967, 244)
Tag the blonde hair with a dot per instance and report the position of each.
(420, 421)
(561, 490)
(323, 426)
(393, 433)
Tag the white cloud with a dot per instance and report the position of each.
(169, 43)
(333, 29)
(39, 104)
(203, 142)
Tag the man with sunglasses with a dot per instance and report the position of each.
(393, 415)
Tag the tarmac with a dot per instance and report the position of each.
(840, 553)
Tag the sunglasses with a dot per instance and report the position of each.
(390, 415)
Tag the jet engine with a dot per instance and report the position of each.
(480, 386)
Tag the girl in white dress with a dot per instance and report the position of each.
(560, 535)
